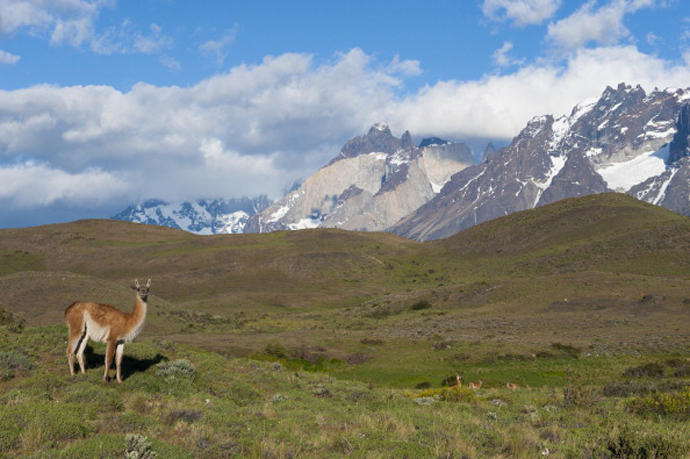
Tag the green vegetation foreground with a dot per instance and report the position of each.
(329, 343)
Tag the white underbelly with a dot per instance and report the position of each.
(97, 332)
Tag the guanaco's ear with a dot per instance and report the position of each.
(148, 284)
(136, 283)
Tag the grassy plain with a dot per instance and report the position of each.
(329, 343)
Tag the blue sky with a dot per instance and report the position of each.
(104, 103)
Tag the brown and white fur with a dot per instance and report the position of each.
(472, 385)
(105, 324)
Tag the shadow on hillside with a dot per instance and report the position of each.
(130, 365)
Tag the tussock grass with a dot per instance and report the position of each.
(197, 403)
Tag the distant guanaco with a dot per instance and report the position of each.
(472, 385)
(512, 386)
(105, 324)
(458, 381)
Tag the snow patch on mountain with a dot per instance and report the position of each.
(623, 176)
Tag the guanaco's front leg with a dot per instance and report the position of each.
(119, 351)
(109, 353)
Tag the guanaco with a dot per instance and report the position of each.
(106, 324)
(472, 385)
(512, 386)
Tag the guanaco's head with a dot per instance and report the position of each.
(142, 290)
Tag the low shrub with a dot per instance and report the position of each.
(14, 323)
(671, 405)
(545, 355)
(442, 345)
(577, 396)
(138, 447)
(302, 360)
(459, 357)
(420, 305)
(12, 361)
(627, 388)
(446, 394)
(632, 387)
(572, 351)
(188, 416)
(681, 368)
(648, 370)
(181, 368)
(276, 350)
(626, 442)
(450, 381)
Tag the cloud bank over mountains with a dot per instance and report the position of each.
(256, 127)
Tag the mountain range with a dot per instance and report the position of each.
(204, 216)
(625, 141)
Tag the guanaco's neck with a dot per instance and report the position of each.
(139, 312)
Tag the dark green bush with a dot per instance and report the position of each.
(648, 370)
(627, 388)
(276, 350)
(419, 305)
(633, 387)
(572, 351)
(449, 381)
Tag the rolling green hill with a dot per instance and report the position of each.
(564, 299)
(569, 267)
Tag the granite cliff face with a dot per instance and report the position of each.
(626, 141)
(375, 181)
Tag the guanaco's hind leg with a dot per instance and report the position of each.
(76, 342)
(80, 352)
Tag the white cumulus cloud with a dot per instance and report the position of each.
(8, 58)
(499, 106)
(31, 184)
(521, 12)
(604, 25)
(247, 131)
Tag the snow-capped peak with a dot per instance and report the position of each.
(381, 126)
